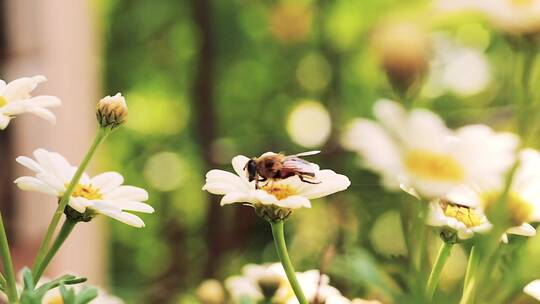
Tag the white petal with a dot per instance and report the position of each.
(43, 113)
(330, 182)
(21, 88)
(235, 197)
(28, 183)
(294, 202)
(4, 121)
(29, 163)
(106, 182)
(524, 230)
(46, 101)
(133, 206)
(124, 217)
(533, 289)
(239, 163)
(79, 204)
(128, 193)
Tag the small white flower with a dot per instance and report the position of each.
(315, 286)
(15, 99)
(533, 289)
(523, 196)
(509, 16)
(462, 219)
(103, 194)
(290, 193)
(416, 150)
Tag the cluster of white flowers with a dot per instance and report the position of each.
(268, 281)
(462, 172)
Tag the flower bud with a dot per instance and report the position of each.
(404, 53)
(211, 292)
(112, 111)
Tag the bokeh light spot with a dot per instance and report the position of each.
(309, 124)
(314, 72)
(164, 171)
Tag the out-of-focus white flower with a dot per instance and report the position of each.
(257, 281)
(464, 220)
(523, 196)
(289, 193)
(270, 281)
(102, 194)
(461, 70)
(533, 289)
(509, 16)
(15, 99)
(362, 301)
(416, 149)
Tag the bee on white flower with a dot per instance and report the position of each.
(15, 99)
(285, 194)
(416, 150)
(523, 200)
(533, 289)
(462, 220)
(102, 194)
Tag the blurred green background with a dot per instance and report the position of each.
(208, 80)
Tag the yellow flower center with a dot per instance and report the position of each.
(87, 191)
(464, 214)
(280, 191)
(3, 101)
(519, 210)
(434, 166)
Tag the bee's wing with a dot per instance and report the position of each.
(307, 153)
(295, 164)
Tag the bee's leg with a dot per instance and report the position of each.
(260, 180)
(308, 181)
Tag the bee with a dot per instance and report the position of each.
(280, 166)
(462, 213)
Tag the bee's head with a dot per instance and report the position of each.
(251, 169)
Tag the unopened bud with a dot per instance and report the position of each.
(112, 111)
(404, 52)
(211, 292)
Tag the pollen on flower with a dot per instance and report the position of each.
(435, 166)
(280, 191)
(86, 191)
(3, 101)
(464, 214)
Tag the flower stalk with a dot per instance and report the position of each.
(65, 231)
(281, 248)
(435, 275)
(11, 288)
(102, 133)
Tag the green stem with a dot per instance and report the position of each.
(281, 248)
(100, 136)
(472, 265)
(66, 229)
(11, 288)
(434, 276)
(468, 284)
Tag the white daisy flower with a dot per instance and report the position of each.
(533, 289)
(316, 287)
(15, 99)
(289, 193)
(464, 220)
(416, 150)
(102, 194)
(523, 196)
(270, 281)
(510, 16)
